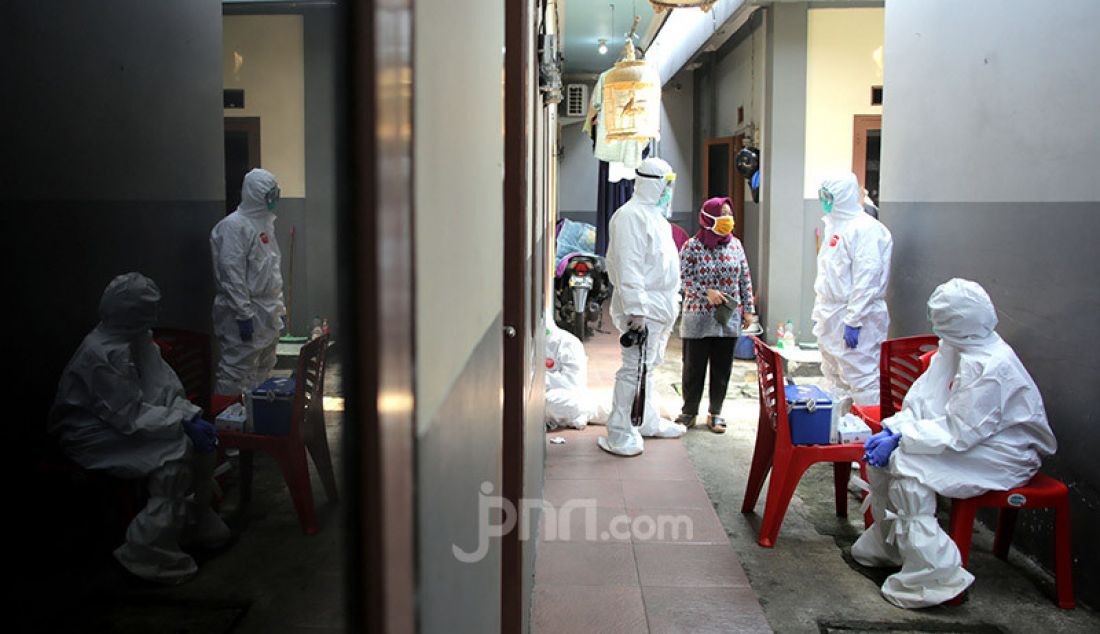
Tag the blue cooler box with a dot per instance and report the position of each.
(271, 403)
(810, 411)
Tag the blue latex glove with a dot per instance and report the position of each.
(202, 434)
(244, 327)
(873, 442)
(851, 336)
(879, 456)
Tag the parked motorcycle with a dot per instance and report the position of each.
(581, 286)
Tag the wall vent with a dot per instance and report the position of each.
(876, 95)
(576, 100)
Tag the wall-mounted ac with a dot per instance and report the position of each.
(576, 100)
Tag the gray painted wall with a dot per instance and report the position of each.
(323, 65)
(577, 171)
(783, 266)
(112, 161)
(1014, 205)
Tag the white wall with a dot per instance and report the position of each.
(264, 55)
(844, 59)
(459, 170)
(1019, 109)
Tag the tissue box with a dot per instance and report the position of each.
(271, 403)
(232, 418)
(809, 410)
(852, 429)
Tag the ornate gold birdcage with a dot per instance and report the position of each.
(665, 5)
(632, 99)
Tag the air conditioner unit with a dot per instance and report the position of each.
(576, 100)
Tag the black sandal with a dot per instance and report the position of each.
(687, 420)
(716, 424)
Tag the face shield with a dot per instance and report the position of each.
(271, 198)
(664, 202)
(826, 198)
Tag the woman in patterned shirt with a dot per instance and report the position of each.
(717, 292)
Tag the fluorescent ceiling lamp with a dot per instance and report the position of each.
(684, 33)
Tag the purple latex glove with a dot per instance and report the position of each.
(880, 455)
(851, 336)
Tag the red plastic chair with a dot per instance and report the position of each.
(786, 462)
(307, 432)
(899, 366)
(189, 354)
(1042, 492)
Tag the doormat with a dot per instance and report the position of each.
(905, 627)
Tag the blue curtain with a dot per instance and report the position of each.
(609, 197)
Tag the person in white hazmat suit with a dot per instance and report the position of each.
(120, 408)
(849, 314)
(644, 267)
(568, 401)
(974, 422)
(248, 307)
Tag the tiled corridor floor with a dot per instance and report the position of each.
(630, 564)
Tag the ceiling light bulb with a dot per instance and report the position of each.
(603, 47)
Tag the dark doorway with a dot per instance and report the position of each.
(242, 153)
(866, 152)
(720, 178)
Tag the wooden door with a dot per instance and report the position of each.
(720, 179)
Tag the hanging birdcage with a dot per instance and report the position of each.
(632, 100)
(660, 6)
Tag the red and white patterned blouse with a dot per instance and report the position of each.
(724, 269)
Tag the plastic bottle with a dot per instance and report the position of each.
(780, 336)
(789, 341)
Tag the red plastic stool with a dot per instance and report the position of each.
(1042, 492)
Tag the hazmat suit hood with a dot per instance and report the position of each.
(651, 182)
(254, 191)
(962, 313)
(847, 197)
(129, 304)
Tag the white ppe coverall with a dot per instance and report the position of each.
(121, 408)
(644, 267)
(568, 401)
(853, 267)
(974, 422)
(249, 287)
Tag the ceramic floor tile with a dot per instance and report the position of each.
(585, 525)
(648, 468)
(603, 609)
(579, 493)
(671, 494)
(583, 564)
(700, 526)
(689, 566)
(581, 467)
